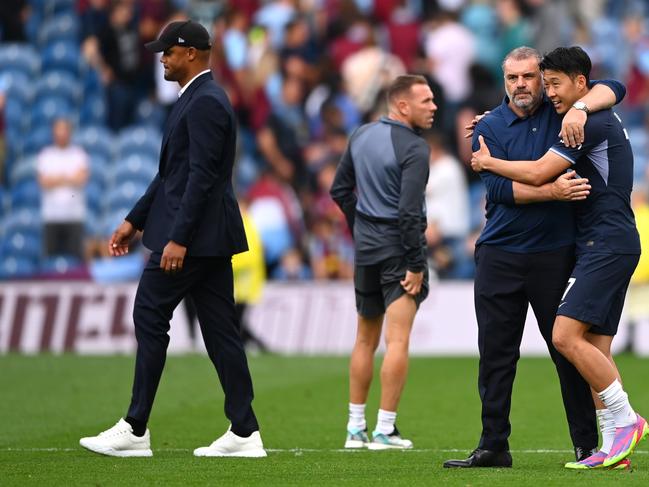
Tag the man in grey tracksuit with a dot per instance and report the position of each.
(380, 185)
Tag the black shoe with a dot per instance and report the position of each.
(482, 458)
(582, 452)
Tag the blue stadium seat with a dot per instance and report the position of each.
(94, 197)
(99, 170)
(16, 85)
(60, 264)
(137, 168)
(113, 219)
(93, 111)
(23, 219)
(22, 244)
(23, 170)
(37, 139)
(46, 110)
(93, 224)
(20, 57)
(58, 84)
(56, 7)
(15, 114)
(27, 194)
(64, 27)
(139, 140)
(151, 114)
(124, 195)
(16, 267)
(98, 141)
(62, 56)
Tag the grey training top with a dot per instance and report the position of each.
(379, 185)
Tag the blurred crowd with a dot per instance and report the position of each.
(83, 106)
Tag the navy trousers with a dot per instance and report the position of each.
(209, 282)
(505, 283)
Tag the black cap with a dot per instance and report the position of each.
(185, 33)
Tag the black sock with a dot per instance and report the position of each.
(139, 427)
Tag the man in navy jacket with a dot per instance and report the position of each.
(191, 222)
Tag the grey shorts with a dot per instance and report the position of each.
(378, 285)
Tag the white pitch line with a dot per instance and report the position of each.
(308, 450)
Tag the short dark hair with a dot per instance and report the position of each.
(402, 84)
(572, 61)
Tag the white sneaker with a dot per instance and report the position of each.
(231, 445)
(393, 441)
(119, 441)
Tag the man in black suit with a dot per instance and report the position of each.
(191, 222)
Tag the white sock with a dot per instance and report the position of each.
(385, 422)
(617, 402)
(606, 428)
(356, 417)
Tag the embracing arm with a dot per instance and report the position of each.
(602, 95)
(535, 173)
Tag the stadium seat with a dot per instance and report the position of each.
(23, 219)
(96, 140)
(113, 219)
(37, 139)
(23, 170)
(15, 114)
(56, 7)
(151, 114)
(27, 194)
(16, 267)
(20, 57)
(94, 199)
(124, 195)
(64, 27)
(60, 85)
(137, 168)
(139, 140)
(99, 170)
(60, 264)
(62, 56)
(22, 244)
(93, 111)
(16, 86)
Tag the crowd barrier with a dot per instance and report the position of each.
(291, 318)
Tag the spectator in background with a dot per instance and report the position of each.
(292, 267)
(450, 50)
(62, 174)
(120, 64)
(447, 212)
(284, 136)
(331, 247)
(13, 15)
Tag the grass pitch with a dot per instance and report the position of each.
(49, 402)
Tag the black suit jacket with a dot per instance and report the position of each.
(191, 200)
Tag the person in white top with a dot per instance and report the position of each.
(62, 174)
(447, 211)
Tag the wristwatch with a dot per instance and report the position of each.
(580, 105)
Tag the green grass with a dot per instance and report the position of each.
(48, 402)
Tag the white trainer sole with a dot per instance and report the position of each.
(355, 444)
(383, 446)
(199, 452)
(117, 453)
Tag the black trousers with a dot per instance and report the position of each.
(505, 283)
(209, 282)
